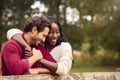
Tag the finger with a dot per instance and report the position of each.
(28, 54)
(27, 50)
(33, 50)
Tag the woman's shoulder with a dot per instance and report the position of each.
(62, 46)
(65, 45)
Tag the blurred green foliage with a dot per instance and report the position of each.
(93, 69)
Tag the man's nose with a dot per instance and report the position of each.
(43, 40)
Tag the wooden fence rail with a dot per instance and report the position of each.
(71, 76)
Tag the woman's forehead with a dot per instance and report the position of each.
(55, 26)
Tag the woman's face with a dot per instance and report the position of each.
(54, 34)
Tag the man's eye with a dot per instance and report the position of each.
(58, 32)
(44, 35)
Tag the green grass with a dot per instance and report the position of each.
(94, 69)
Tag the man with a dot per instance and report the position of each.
(34, 33)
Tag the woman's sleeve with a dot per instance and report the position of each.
(12, 32)
(65, 61)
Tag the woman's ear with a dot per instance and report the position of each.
(34, 29)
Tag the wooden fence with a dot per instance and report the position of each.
(71, 76)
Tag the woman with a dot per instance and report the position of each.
(56, 44)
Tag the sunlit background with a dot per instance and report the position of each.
(91, 26)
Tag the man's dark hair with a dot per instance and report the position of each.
(39, 22)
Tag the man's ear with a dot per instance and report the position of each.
(34, 29)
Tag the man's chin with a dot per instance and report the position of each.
(37, 44)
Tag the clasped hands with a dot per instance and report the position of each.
(37, 54)
(33, 52)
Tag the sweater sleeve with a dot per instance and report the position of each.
(13, 59)
(65, 59)
(12, 32)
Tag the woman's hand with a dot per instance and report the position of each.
(39, 71)
(33, 71)
(28, 52)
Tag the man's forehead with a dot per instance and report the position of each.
(45, 30)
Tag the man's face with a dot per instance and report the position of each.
(39, 37)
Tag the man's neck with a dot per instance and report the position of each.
(27, 38)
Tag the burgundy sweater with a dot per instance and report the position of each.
(13, 62)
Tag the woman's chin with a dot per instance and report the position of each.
(53, 43)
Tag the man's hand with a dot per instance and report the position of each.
(37, 53)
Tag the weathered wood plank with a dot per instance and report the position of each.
(71, 76)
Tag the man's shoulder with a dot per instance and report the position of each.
(11, 43)
(11, 46)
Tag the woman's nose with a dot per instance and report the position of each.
(55, 35)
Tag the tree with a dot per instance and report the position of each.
(12, 14)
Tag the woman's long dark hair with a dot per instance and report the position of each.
(62, 38)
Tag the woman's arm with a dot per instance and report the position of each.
(16, 35)
(50, 65)
(12, 32)
(48, 61)
(64, 62)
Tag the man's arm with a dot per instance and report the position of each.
(37, 55)
(16, 64)
(39, 71)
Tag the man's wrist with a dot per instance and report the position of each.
(40, 59)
